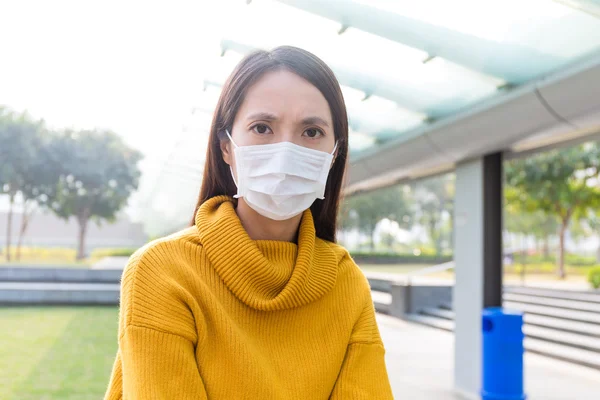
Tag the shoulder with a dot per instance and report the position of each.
(157, 256)
(164, 249)
(153, 282)
(169, 244)
(348, 271)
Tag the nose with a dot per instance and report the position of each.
(287, 135)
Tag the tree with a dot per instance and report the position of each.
(520, 220)
(559, 183)
(590, 224)
(40, 181)
(98, 174)
(20, 141)
(434, 198)
(365, 210)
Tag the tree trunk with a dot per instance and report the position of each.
(9, 224)
(523, 258)
(24, 225)
(524, 248)
(83, 219)
(372, 240)
(452, 230)
(561, 250)
(435, 236)
(546, 248)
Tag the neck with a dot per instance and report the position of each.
(259, 227)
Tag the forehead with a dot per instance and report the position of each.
(286, 95)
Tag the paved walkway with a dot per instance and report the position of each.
(113, 262)
(533, 282)
(420, 365)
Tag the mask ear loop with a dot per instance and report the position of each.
(332, 153)
(231, 169)
(236, 146)
(334, 148)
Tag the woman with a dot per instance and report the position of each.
(255, 300)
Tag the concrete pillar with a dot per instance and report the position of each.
(478, 258)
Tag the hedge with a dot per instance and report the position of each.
(395, 258)
(123, 252)
(594, 277)
(570, 259)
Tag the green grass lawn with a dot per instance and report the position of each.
(61, 353)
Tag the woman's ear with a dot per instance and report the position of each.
(226, 150)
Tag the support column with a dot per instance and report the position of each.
(478, 259)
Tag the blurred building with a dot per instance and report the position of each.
(47, 230)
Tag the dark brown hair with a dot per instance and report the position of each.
(217, 178)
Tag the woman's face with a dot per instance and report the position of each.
(282, 107)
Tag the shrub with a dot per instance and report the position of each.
(398, 258)
(123, 252)
(594, 277)
(577, 260)
(570, 259)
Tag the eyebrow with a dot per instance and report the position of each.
(314, 121)
(265, 116)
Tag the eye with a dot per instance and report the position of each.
(261, 129)
(313, 133)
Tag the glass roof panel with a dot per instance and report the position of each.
(364, 60)
(513, 40)
(403, 63)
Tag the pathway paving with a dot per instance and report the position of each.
(112, 262)
(420, 366)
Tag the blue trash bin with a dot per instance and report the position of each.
(502, 355)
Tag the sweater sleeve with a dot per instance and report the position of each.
(157, 337)
(363, 374)
(159, 365)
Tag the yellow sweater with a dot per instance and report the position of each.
(208, 313)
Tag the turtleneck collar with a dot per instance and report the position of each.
(265, 274)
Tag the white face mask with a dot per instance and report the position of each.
(280, 180)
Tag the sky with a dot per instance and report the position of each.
(133, 67)
(129, 66)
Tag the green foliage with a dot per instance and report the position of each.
(432, 197)
(398, 258)
(425, 202)
(85, 174)
(531, 268)
(20, 140)
(46, 256)
(570, 259)
(99, 173)
(363, 211)
(557, 183)
(537, 223)
(543, 268)
(594, 277)
(24, 168)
